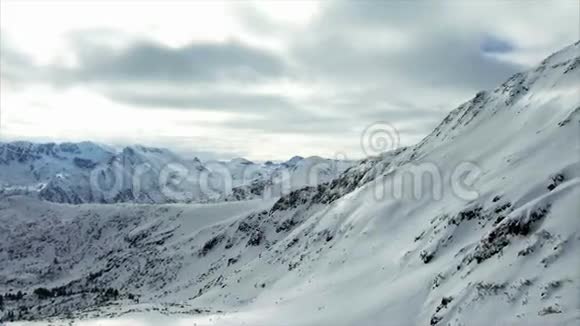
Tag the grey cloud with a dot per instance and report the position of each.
(320, 125)
(389, 82)
(378, 14)
(14, 64)
(342, 120)
(207, 62)
(234, 102)
(10, 56)
(292, 123)
(492, 44)
(375, 103)
(437, 61)
(150, 63)
(134, 74)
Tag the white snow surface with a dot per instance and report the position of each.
(505, 253)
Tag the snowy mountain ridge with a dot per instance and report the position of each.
(85, 172)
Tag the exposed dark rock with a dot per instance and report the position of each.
(211, 244)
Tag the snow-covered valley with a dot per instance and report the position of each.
(477, 224)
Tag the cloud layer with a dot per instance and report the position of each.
(257, 85)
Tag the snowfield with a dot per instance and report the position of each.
(490, 237)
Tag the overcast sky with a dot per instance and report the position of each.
(263, 80)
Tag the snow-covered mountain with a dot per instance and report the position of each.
(490, 236)
(136, 174)
(275, 179)
(25, 163)
(89, 173)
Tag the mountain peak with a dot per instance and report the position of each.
(241, 160)
(295, 159)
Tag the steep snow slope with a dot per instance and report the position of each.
(510, 253)
(491, 237)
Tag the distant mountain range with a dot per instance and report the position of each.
(89, 173)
